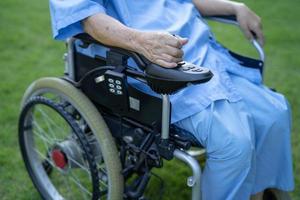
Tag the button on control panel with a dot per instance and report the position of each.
(190, 68)
(110, 80)
(111, 85)
(118, 82)
(115, 82)
(116, 87)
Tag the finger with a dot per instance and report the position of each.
(169, 58)
(262, 40)
(247, 32)
(173, 42)
(165, 63)
(184, 41)
(260, 36)
(256, 31)
(176, 41)
(172, 51)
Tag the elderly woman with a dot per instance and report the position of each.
(244, 126)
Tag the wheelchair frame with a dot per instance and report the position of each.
(193, 181)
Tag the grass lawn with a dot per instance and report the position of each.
(28, 52)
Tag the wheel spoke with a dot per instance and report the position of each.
(49, 122)
(81, 166)
(43, 138)
(43, 132)
(73, 178)
(48, 160)
(45, 158)
(83, 194)
(102, 168)
(67, 183)
(103, 183)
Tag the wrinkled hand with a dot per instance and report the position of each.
(161, 48)
(250, 23)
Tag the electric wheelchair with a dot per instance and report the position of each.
(92, 135)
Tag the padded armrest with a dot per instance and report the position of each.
(86, 38)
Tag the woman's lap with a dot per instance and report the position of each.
(271, 116)
(258, 126)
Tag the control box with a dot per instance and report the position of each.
(116, 84)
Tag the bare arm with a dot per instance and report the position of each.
(216, 7)
(111, 32)
(160, 48)
(249, 22)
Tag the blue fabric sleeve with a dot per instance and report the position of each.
(66, 16)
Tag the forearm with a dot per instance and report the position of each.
(216, 7)
(111, 32)
(158, 47)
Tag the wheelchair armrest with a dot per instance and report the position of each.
(231, 19)
(161, 80)
(140, 61)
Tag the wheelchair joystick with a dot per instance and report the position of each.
(170, 80)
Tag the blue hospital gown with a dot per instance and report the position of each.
(244, 126)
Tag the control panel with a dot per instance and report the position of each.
(116, 84)
(191, 68)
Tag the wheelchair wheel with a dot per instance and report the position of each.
(67, 148)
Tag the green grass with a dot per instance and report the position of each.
(28, 52)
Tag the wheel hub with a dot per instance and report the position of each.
(67, 154)
(59, 158)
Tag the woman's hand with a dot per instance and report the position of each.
(160, 48)
(249, 22)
